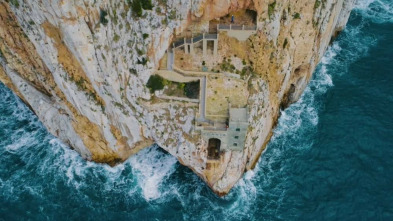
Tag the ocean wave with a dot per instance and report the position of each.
(378, 11)
(152, 167)
(39, 167)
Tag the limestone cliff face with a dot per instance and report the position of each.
(82, 67)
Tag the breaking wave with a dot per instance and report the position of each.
(42, 177)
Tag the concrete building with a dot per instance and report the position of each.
(232, 137)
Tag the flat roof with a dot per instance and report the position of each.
(238, 114)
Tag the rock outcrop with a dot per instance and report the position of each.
(82, 67)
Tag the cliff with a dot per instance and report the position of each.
(83, 66)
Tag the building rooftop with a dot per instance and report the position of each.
(238, 115)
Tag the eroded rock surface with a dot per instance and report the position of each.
(82, 67)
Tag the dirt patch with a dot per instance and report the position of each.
(221, 91)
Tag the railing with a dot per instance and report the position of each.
(178, 43)
(196, 39)
(210, 36)
(252, 27)
(237, 27)
(221, 26)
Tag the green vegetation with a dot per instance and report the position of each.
(172, 15)
(136, 8)
(317, 4)
(247, 70)
(227, 66)
(14, 3)
(156, 83)
(296, 15)
(138, 5)
(191, 89)
(270, 10)
(285, 43)
(80, 84)
(133, 71)
(103, 15)
(143, 61)
(147, 5)
(114, 16)
(145, 35)
(116, 38)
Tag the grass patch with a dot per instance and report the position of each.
(270, 9)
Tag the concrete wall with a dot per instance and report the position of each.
(221, 135)
(237, 135)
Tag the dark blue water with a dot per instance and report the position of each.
(331, 157)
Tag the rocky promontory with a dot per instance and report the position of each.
(203, 79)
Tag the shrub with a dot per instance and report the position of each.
(133, 71)
(155, 83)
(181, 86)
(145, 35)
(103, 14)
(136, 8)
(270, 10)
(143, 61)
(203, 63)
(296, 15)
(317, 4)
(116, 38)
(147, 5)
(285, 43)
(172, 15)
(14, 3)
(191, 89)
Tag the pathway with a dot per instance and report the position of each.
(202, 99)
(170, 59)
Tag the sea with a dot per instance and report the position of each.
(331, 156)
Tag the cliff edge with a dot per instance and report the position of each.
(205, 80)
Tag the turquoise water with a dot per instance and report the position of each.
(330, 158)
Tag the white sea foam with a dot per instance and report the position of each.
(152, 167)
(378, 11)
